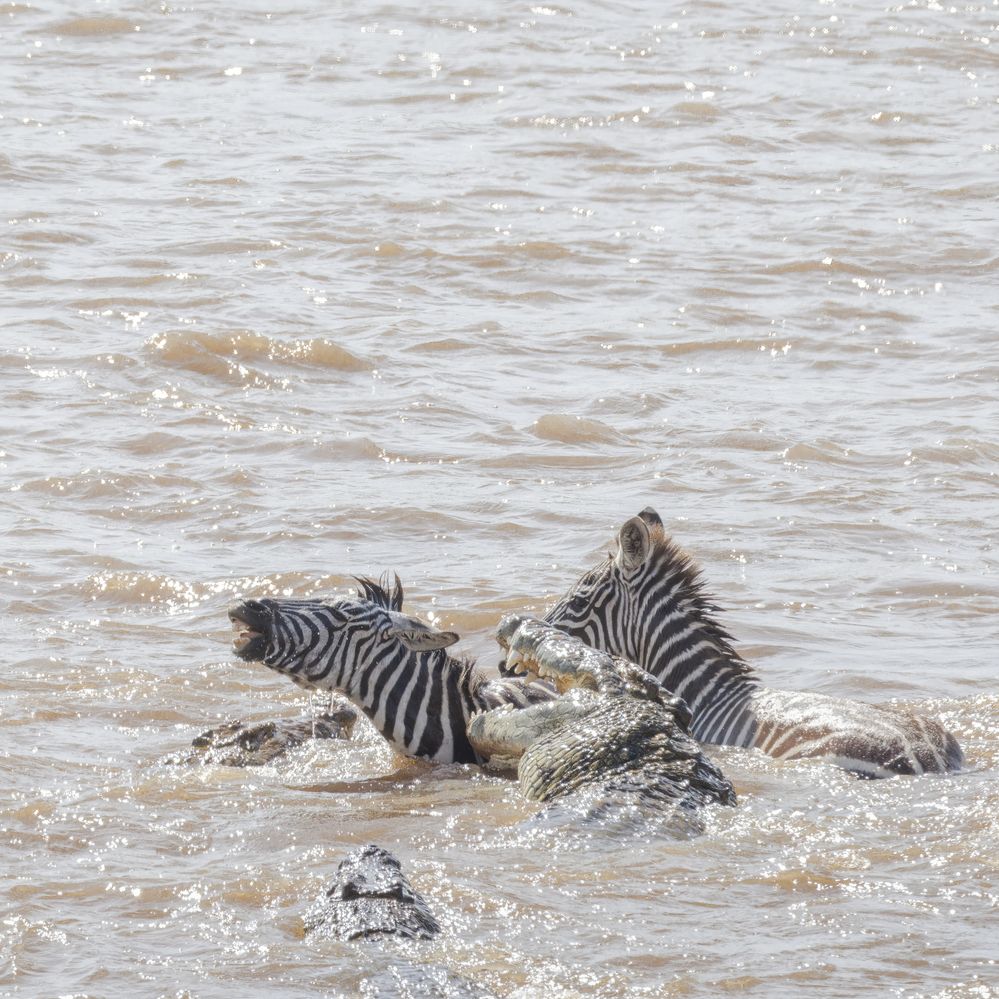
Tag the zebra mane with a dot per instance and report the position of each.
(378, 592)
(470, 676)
(671, 560)
(475, 686)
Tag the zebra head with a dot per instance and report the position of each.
(607, 602)
(325, 644)
(645, 602)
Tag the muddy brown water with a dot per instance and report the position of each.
(292, 293)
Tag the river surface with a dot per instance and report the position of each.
(292, 293)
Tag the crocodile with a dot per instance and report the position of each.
(615, 731)
(371, 897)
(238, 744)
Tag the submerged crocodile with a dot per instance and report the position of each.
(371, 897)
(236, 744)
(372, 900)
(615, 731)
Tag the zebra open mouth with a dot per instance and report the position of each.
(250, 627)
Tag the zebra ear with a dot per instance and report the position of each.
(651, 517)
(424, 641)
(417, 636)
(396, 599)
(633, 543)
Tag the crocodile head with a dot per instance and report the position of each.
(615, 729)
(371, 897)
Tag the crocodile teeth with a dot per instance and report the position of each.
(516, 663)
(520, 665)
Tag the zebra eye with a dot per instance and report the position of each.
(578, 603)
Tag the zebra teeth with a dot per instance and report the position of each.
(243, 634)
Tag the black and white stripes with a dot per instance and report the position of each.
(393, 667)
(646, 603)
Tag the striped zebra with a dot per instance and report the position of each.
(646, 603)
(392, 666)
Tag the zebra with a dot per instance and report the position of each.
(647, 603)
(391, 666)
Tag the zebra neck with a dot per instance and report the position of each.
(420, 702)
(727, 715)
(719, 689)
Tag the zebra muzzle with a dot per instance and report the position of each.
(249, 630)
(242, 635)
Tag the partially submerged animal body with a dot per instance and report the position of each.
(615, 733)
(371, 897)
(391, 666)
(237, 744)
(647, 603)
(371, 902)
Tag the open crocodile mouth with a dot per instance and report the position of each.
(521, 664)
(516, 661)
(250, 629)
